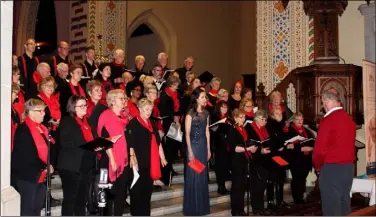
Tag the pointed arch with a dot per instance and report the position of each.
(161, 29)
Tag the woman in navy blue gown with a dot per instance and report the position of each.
(196, 190)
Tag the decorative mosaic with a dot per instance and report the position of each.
(282, 41)
(91, 22)
(291, 98)
(311, 41)
(78, 30)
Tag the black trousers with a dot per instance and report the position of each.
(75, 190)
(222, 166)
(239, 181)
(118, 193)
(335, 181)
(299, 175)
(275, 183)
(32, 197)
(259, 177)
(170, 148)
(140, 194)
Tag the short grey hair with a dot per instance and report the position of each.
(61, 66)
(260, 114)
(331, 94)
(221, 93)
(118, 51)
(138, 58)
(144, 102)
(215, 79)
(33, 104)
(160, 55)
(42, 65)
(172, 80)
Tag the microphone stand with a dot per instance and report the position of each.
(48, 178)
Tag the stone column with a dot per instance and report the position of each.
(10, 199)
(368, 11)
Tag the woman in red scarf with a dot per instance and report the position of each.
(240, 157)
(112, 123)
(276, 102)
(219, 135)
(73, 88)
(259, 173)
(215, 84)
(169, 106)
(46, 93)
(29, 159)
(300, 157)
(104, 78)
(146, 156)
(247, 106)
(16, 115)
(75, 164)
(134, 90)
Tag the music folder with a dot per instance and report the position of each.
(99, 142)
(257, 143)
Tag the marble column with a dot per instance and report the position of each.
(10, 199)
(368, 11)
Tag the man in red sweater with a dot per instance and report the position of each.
(334, 155)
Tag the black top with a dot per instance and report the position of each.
(182, 74)
(166, 108)
(65, 94)
(276, 134)
(94, 117)
(61, 83)
(25, 163)
(116, 70)
(139, 138)
(221, 134)
(49, 59)
(296, 156)
(232, 103)
(185, 100)
(15, 117)
(236, 139)
(31, 67)
(87, 69)
(70, 156)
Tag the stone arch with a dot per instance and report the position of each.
(26, 23)
(161, 29)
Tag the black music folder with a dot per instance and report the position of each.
(99, 142)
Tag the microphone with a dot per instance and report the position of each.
(335, 53)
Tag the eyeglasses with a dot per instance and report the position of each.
(65, 48)
(49, 85)
(81, 106)
(248, 106)
(123, 98)
(39, 110)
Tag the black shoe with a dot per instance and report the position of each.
(157, 188)
(223, 191)
(299, 201)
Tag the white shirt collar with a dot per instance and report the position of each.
(332, 110)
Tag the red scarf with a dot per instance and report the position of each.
(302, 132)
(242, 132)
(104, 86)
(132, 108)
(82, 92)
(53, 104)
(40, 143)
(122, 86)
(85, 129)
(270, 108)
(174, 96)
(208, 103)
(213, 92)
(121, 65)
(115, 126)
(221, 116)
(19, 106)
(91, 106)
(261, 132)
(157, 113)
(37, 78)
(155, 170)
(250, 114)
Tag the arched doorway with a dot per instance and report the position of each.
(144, 42)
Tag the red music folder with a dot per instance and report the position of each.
(196, 166)
(280, 161)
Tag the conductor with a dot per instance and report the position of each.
(334, 154)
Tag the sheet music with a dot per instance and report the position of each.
(300, 138)
(247, 122)
(260, 141)
(218, 122)
(255, 109)
(136, 175)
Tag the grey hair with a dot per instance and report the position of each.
(61, 65)
(215, 79)
(144, 102)
(42, 65)
(138, 58)
(260, 114)
(111, 96)
(221, 93)
(331, 94)
(118, 51)
(32, 104)
(162, 54)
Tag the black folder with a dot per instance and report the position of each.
(99, 142)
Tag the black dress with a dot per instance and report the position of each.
(232, 103)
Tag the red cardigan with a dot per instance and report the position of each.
(335, 142)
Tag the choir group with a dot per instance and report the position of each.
(68, 105)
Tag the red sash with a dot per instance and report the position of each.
(24, 64)
(53, 104)
(261, 132)
(174, 96)
(82, 92)
(242, 132)
(85, 129)
(37, 78)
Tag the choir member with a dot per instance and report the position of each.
(27, 63)
(19, 102)
(240, 157)
(189, 76)
(222, 95)
(135, 89)
(235, 97)
(61, 56)
(75, 164)
(300, 157)
(169, 106)
(186, 98)
(215, 84)
(127, 78)
(73, 88)
(147, 81)
(29, 159)
(104, 78)
(61, 78)
(139, 64)
(220, 133)
(14, 60)
(158, 76)
(247, 93)
(247, 106)
(196, 191)
(163, 61)
(16, 116)
(117, 66)
(334, 155)
(112, 123)
(52, 115)
(259, 173)
(43, 71)
(88, 66)
(146, 155)
(188, 66)
(277, 174)
(275, 101)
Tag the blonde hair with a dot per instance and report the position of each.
(127, 74)
(274, 94)
(111, 96)
(260, 114)
(221, 93)
(32, 104)
(45, 81)
(92, 84)
(162, 54)
(237, 112)
(295, 115)
(139, 57)
(15, 87)
(215, 79)
(244, 102)
(144, 102)
(147, 90)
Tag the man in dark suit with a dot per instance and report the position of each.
(334, 155)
